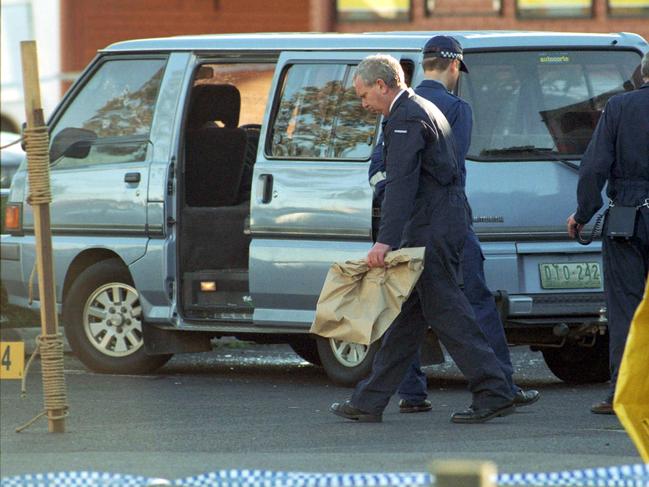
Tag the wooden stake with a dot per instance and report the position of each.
(42, 230)
(464, 473)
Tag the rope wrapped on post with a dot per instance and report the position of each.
(38, 168)
(37, 142)
(51, 349)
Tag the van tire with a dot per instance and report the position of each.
(578, 364)
(338, 359)
(307, 348)
(124, 352)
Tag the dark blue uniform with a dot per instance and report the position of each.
(459, 115)
(619, 153)
(425, 205)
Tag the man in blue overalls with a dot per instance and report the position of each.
(424, 205)
(619, 153)
(443, 61)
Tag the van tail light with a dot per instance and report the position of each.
(13, 217)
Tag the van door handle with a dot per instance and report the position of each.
(132, 177)
(266, 188)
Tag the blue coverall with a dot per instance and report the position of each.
(425, 205)
(459, 115)
(619, 153)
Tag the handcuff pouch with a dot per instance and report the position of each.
(620, 221)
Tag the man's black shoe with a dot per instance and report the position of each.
(472, 415)
(602, 407)
(525, 398)
(414, 407)
(347, 411)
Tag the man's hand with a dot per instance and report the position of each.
(574, 228)
(376, 255)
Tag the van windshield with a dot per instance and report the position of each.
(533, 105)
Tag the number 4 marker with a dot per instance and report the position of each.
(12, 360)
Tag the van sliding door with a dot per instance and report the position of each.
(311, 201)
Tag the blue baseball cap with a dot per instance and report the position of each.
(445, 47)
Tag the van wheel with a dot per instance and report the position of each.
(579, 364)
(306, 348)
(102, 318)
(346, 363)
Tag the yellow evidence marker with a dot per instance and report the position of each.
(12, 360)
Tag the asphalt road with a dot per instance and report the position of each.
(262, 407)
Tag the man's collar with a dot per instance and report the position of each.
(399, 97)
(433, 83)
(395, 99)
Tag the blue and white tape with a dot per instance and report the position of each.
(265, 478)
(77, 479)
(621, 476)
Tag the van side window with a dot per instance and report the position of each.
(320, 117)
(110, 119)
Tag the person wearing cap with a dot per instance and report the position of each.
(443, 62)
(618, 154)
(424, 206)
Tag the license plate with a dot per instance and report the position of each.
(573, 275)
(12, 360)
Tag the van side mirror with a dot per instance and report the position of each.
(72, 142)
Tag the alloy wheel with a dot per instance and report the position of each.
(347, 353)
(113, 320)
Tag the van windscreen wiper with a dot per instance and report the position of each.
(530, 150)
(515, 149)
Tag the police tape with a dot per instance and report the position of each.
(619, 476)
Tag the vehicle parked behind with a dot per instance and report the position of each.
(10, 159)
(203, 185)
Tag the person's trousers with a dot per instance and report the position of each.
(626, 264)
(413, 387)
(437, 301)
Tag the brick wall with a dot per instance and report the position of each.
(88, 25)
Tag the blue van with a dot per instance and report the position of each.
(203, 185)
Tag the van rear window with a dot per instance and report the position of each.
(539, 104)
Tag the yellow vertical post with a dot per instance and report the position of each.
(631, 402)
(40, 200)
(464, 473)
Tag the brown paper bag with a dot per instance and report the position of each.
(358, 304)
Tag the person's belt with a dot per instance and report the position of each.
(644, 204)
